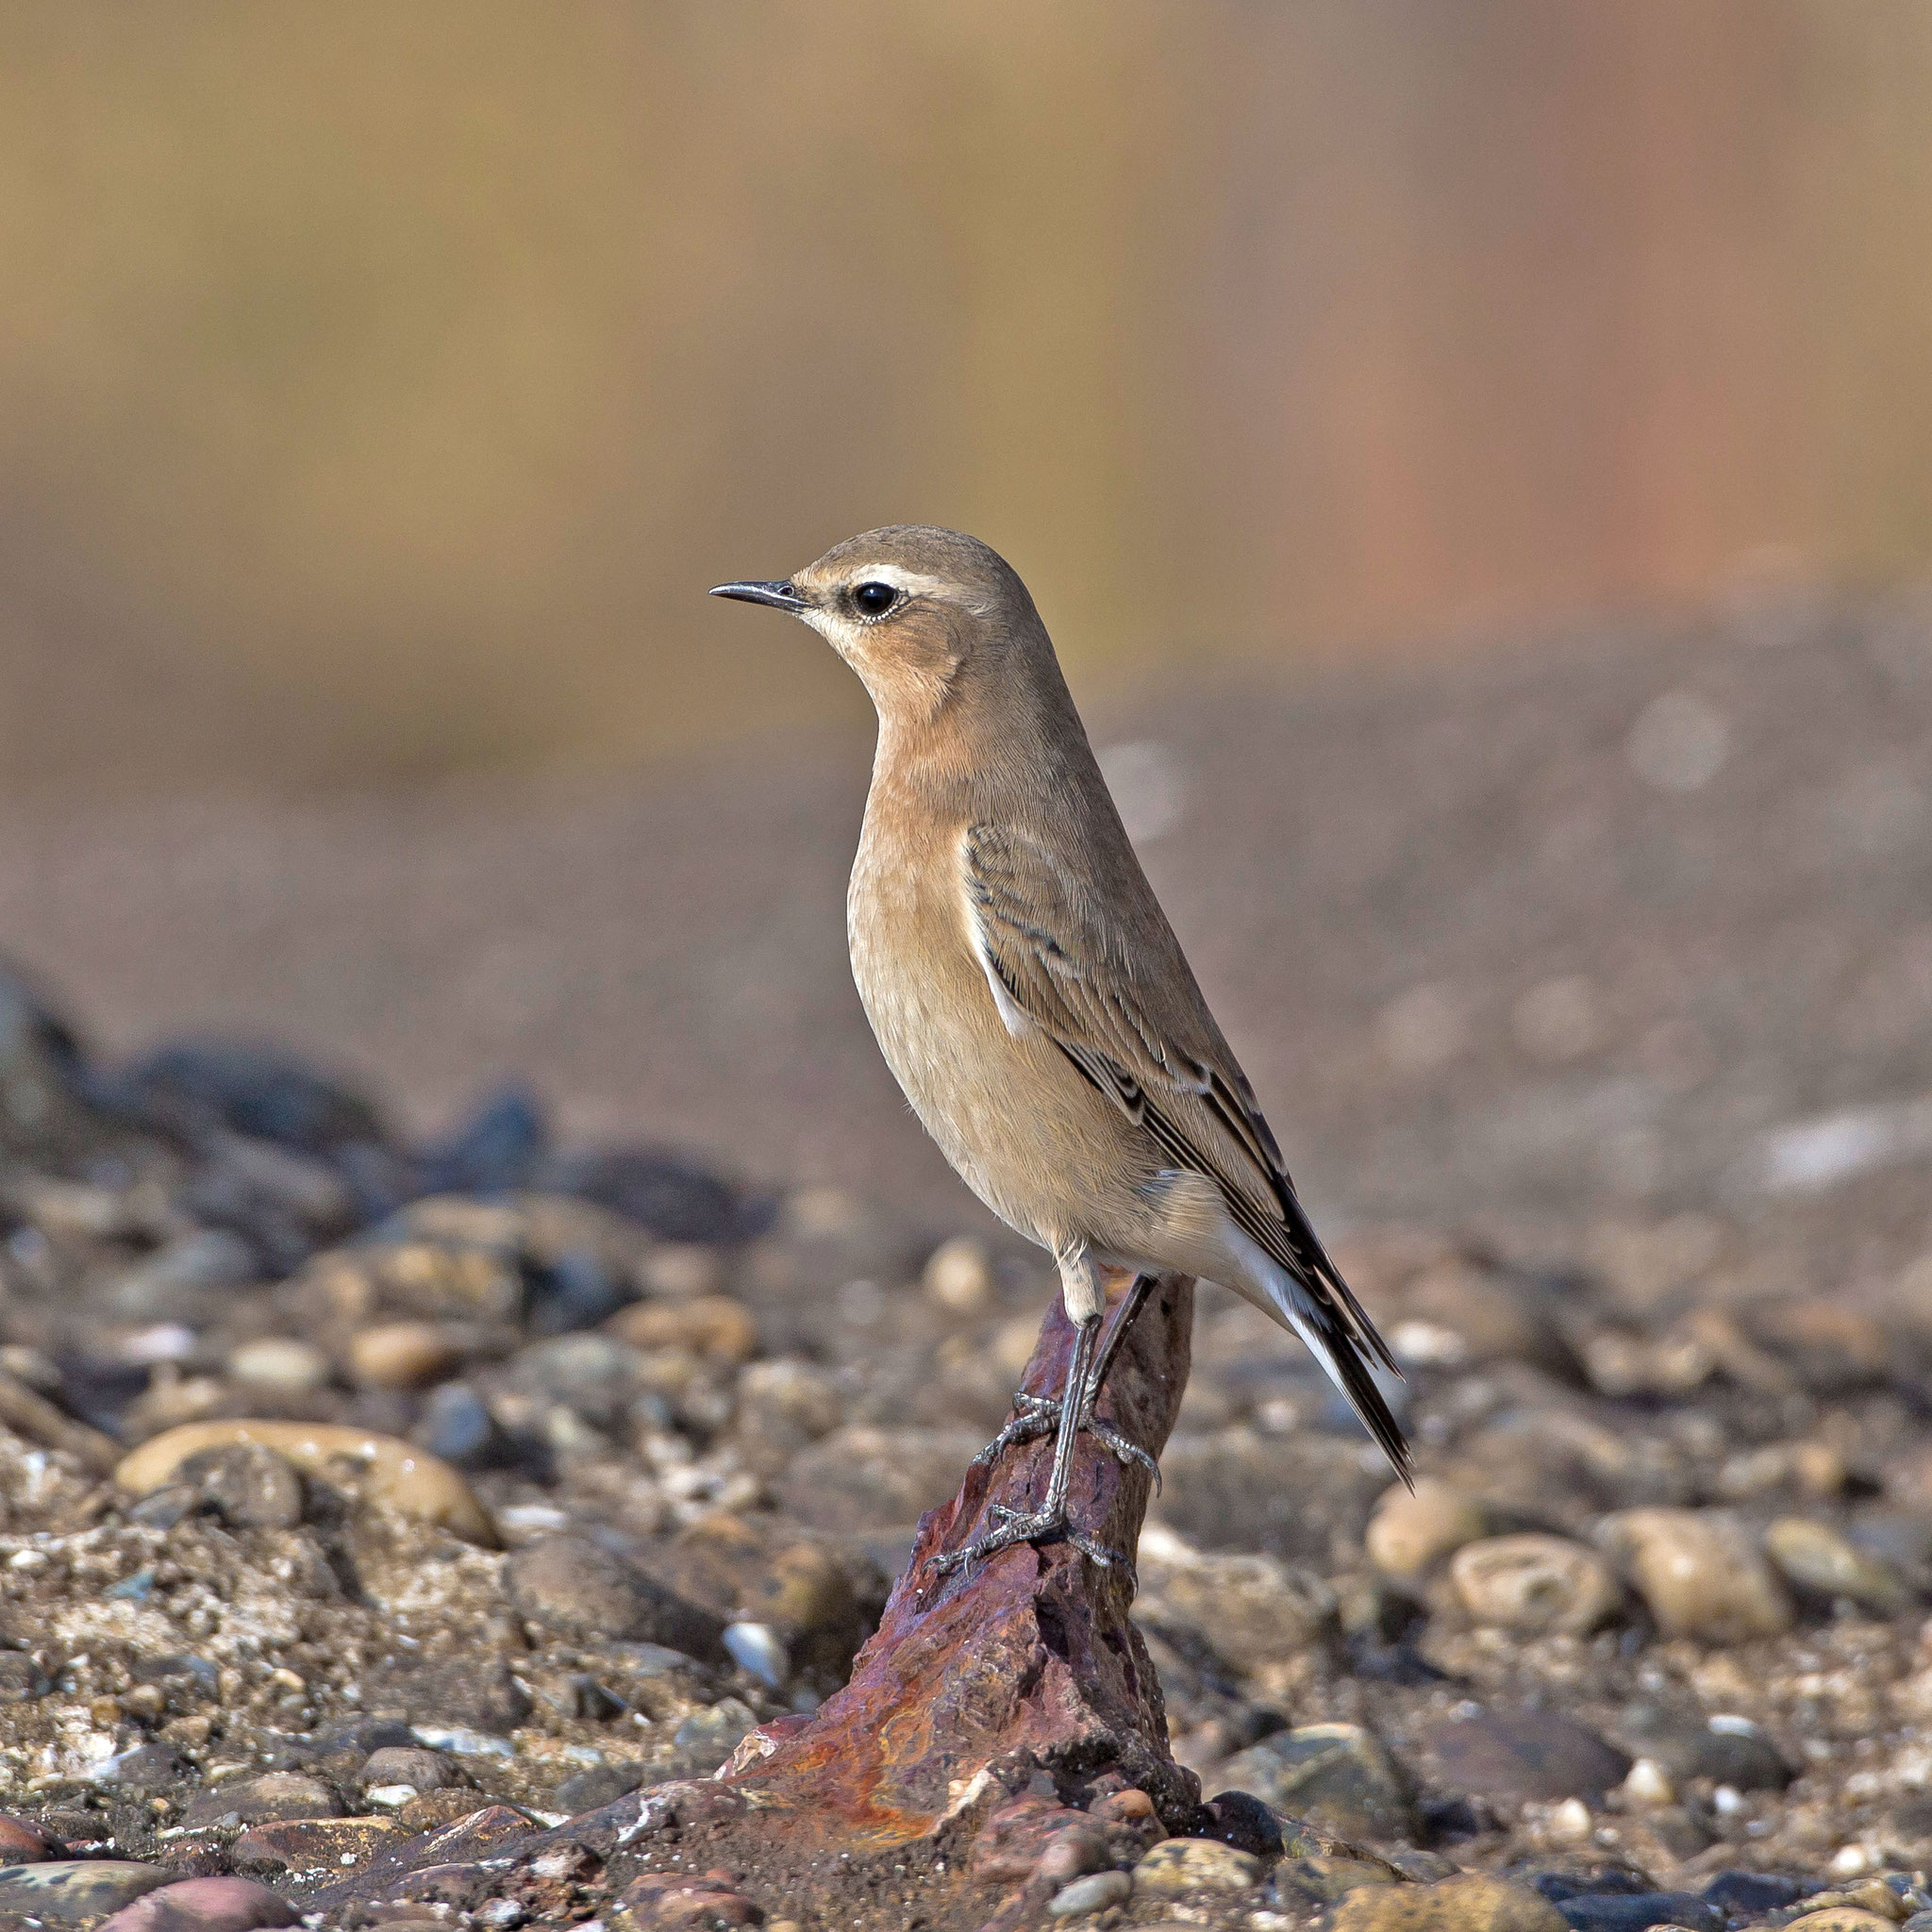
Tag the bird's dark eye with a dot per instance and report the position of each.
(874, 600)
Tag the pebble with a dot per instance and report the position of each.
(1525, 1754)
(1338, 1775)
(757, 1649)
(682, 1271)
(23, 1842)
(249, 1486)
(280, 1362)
(68, 1891)
(457, 1426)
(1321, 1879)
(1842, 1919)
(1471, 1903)
(1815, 1557)
(1627, 1912)
(1700, 1574)
(959, 1277)
(1179, 1865)
(402, 1354)
(707, 1737)
(710, 1326)
(1093, 1893)
(408, 1764)
(1535, 1584)
(1414, 1530)
(269, 1794)
(573, 1584)
(1647, 1784)
(302, 1844)
(1496, 1319)
(1254, 1610)
(1752, 1894)
(397, 1475)
(204, 1904)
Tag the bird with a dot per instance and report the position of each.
(1034, 1003)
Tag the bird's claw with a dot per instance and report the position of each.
(1039, 1416)
(1014, 1526)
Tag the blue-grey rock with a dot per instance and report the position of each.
(1612, 1911)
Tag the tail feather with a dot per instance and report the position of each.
(1336, 1348)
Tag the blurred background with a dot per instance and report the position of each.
(1476, 461)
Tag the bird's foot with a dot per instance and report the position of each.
(1039, 1416)
(1027, 1527)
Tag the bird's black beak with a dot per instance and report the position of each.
(779, 596)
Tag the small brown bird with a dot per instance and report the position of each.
(1030, 996)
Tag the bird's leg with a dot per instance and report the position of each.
(1038, 1415)
(1050, 1519)
(1085, 1302)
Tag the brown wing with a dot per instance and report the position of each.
(1114, 992)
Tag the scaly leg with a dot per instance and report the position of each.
(1064, 1419)
(1039, 1415)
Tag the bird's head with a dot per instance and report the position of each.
(909, 607)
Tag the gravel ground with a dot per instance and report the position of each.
(371, 1482)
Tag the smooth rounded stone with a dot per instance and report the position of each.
(410, 1764)
(1700, 1574)
(1235, 1818)
(396, 1475)
(204, 1904)
(280, 1362)
(1535, 1584)
(595, 1376)
(711, 1326)
(249, 1486)
(1842, 1919)
(1752, 1894)
(1726, 1749)
(959, 1277)
(73, 1892)
(1646, 1786)
(1412, 1530)
(264, 1092)
(432, 1810)
(1494, 1317)
(269, 1794)
(402, 1354)
(24, 1842)
(305, 1844)
(758, 1650)
(1321, 1879)
(1253, 1610)
(784, 1406)
(1637, 1911)
(1525, 1754)
(1338, 1775)
(1178, 1865)
(707, 1737)
(1470, 1902)
(574, 1586)
(457, 1426)
(1815, 1557)
(1093, 1893)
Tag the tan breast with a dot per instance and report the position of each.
(1023, 1131)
